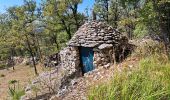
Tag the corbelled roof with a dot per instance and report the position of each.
(95, 33)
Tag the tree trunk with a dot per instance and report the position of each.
(38, 46)
(116, 16)
(12, 59)
(66, 28)
(107, 10)
(32, 55)
(75, 16)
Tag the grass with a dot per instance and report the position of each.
(149, 81)
(16, 94)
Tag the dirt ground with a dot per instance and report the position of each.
(23, 74)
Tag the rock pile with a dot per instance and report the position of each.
(103, 58)
(52, 60)
(80, 86)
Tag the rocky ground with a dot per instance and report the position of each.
(77, 88)
(80, 86)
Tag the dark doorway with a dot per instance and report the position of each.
(86, 59)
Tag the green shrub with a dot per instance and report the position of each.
(150, 81)
(15, 92)
(140, 30)
(12, 82)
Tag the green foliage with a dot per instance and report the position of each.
(62, 16)
(12, 81)
(15, 92)
(148, 18)
(101, 8)
(149, 82)
(140, 30)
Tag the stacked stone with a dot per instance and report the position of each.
(103, 58)
(60, 77)
(70, 59)
(93, 34)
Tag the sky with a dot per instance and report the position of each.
(4, 4)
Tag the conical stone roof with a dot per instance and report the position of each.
(95, 33)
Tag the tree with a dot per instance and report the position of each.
(163, 9)
(23, 27)
(8, 41)
(64, 15)
(101, 8)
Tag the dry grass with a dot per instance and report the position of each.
(23, 74)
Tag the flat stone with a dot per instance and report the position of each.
(104, 46)
(94, 31)
(82, 41)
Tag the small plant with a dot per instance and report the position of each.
(12, 81)
(2, 75)
(15, 93)
(35, 89)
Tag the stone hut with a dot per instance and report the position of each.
(92, 46)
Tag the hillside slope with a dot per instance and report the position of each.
(78, 88)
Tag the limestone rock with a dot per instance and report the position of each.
(104, 46)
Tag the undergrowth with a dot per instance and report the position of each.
(149, 81)
(14, 90)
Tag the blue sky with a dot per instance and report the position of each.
(4, 4)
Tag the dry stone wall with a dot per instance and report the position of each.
(103, 58)
(70, 59)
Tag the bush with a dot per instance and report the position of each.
(149, 82)
(15, 92)
(140, 30)
(148, 47)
